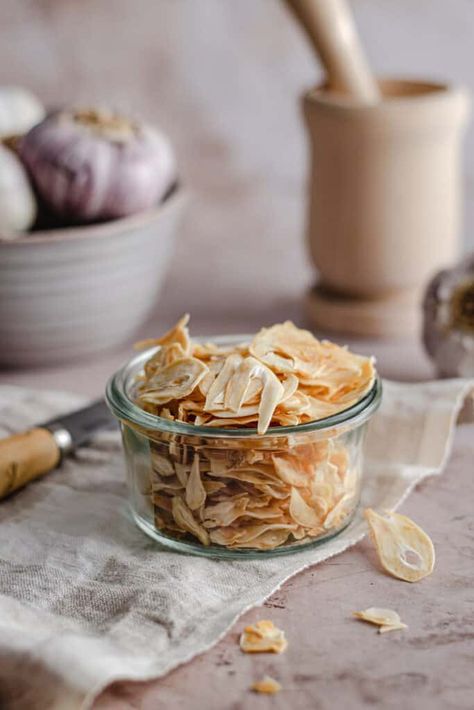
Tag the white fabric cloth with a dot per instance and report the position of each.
(86, 598)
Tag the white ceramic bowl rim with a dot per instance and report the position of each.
(95, 231)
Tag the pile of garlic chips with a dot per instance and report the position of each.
(271, 488)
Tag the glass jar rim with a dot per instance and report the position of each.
(124, 408)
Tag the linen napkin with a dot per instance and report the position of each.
(86, 598)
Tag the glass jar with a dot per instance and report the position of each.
(232, 492)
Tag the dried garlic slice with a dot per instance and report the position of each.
(223, 423)
(182, 473)
(403, 548)
(286, 349)
(185, 520)
(385, 619)
(214, 367)
(271, 395)
(263, 637)
(271, 537)
(301, 512)
(238, 386)
(179, 333)
(162, 464)
(266, 685)
(292, 470)
(195, 491)
(175, 381)
(166, 355)
(224, 513)
(318, 409)
(216, 393)
(290, 385)
(337, 514)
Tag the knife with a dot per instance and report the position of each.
(31, 454)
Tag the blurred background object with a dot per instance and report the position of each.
(17, 201)
(90, 202)
(386, 197)
(67, 294)
(331, 30)
(385, 188)
(92, 165)
(223, 79)
(448, 330)
(20, 110)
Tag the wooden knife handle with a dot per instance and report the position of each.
(26, 456)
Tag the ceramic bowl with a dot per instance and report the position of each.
(67, 294)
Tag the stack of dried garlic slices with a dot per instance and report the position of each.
(264, 491)
(283, 377)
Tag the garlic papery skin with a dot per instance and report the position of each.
(92, 165)
(17, 201)
(20, 110)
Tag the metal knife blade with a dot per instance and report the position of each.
(80, 425)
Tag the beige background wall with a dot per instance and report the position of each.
(223, 77)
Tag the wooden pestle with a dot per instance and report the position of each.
(331, 30)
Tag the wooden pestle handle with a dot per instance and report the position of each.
(331, 30)
(26, 456)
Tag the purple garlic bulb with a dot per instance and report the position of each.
(91, 165)
(448, 331)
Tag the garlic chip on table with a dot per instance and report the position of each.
(267, 685)
(263, 637)
(253, 494)
(403, 548)
(385, 619)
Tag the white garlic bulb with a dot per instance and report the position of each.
(20, 110)
(17, 201)
(90, 165)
